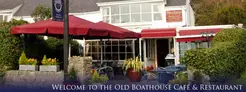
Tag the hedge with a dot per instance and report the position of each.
(10, 45)
(226, 59)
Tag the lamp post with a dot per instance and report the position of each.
(207, 35)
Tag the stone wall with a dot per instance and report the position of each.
(32, 79)
(83, 66)
(39, 79)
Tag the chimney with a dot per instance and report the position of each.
(240, 25)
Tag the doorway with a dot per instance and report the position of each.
(162, 51)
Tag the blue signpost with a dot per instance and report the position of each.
(58, 10)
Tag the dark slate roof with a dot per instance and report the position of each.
(76, 6)
(108, 0)
(169, 2)
(10, 4)
(176, 2)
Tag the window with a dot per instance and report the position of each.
(146, 12)
(106, 14)
(150, 49)
(131, 13)
(184, 46)
(4, 17)
(135, 13)
(157, 11)
(125, 13)
(115, 14)
(112, 49)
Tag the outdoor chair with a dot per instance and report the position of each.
(147, 75)
(103, 68)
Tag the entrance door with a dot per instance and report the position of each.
(162, 51)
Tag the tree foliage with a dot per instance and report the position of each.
(41, 12)
(217, 12)
(10, 45)
(230, 15)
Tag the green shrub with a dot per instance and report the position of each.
(96, 78)
(22, 58)
(226, 59)
(1, 78)
(239, 81)
(11, 46)
(243, 75)
(72, 74)
(180, 78)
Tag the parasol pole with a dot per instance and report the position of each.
(101, 42)
(84, 47)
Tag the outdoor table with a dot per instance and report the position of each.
(151, 73)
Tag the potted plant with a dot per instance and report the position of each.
(50, 65)
(133, 68)
(72, 77)
(97, 79)
(27, 64)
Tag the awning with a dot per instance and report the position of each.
(198, 31)
(158, 33)
(127, 33)
(193, 39)
(193, 35)
(77, 27)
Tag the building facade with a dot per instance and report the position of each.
(135, 15)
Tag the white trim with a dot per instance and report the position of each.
(133, 49)
(140, 49)
(175, 7)
(126, 2)
(85, 13)
(7, 10)
(176, 51)
(158, 37)
(112, 39)
(144, 50)
(206, 27)
(191, 36)
(22, 17)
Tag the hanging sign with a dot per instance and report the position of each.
(58, 10)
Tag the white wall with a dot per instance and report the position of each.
(91, 16)
(29, 19)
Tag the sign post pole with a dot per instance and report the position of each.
(66, 30)
(60, 13)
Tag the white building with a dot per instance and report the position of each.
(134, 15)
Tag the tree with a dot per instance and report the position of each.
(230, 15)
(216, 12)
(10, 45)
(41, 12)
